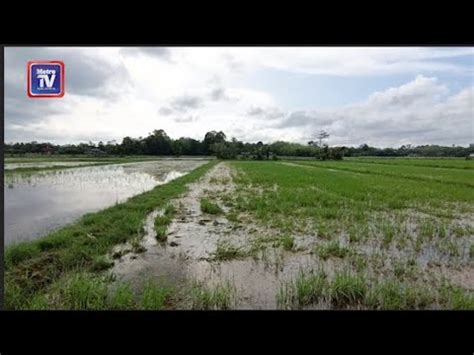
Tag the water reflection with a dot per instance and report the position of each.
(39, 203)
(49, 164)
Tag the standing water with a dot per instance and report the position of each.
(40, 203)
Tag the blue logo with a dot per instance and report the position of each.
(46, 79)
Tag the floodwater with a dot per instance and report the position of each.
(40, 203)
(49, 164)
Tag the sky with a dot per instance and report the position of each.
(381, 96)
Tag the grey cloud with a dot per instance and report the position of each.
(232, 63)
(158, 52)
(186, 119)
(186, 102)
(255, 111)
(165, 111)
(266, 113)
(304, 118)
(218, 94)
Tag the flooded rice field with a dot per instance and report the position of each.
(48, 164)
(36, 204)
(267, 270)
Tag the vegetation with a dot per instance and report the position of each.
(31, 268)
(219, 297)
(393, 222)
(209, 207)
(162, 222)
(216, 143)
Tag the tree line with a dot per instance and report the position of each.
(216, 143)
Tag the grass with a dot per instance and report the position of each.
(287, 242)
(30, 267)
(155, 296)
(347, 290)
(123, 298)
(225, 251)
(332, 249)
(372, 216)
(376, 224)
(163, 221)
(220, 297)
(209, 207)
(305, 290)
(88, 291)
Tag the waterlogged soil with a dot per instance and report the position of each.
(40, 203)
(192, 241)
(260, 266)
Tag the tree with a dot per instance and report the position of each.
(212, 138)
(321, 136)
(158, 143)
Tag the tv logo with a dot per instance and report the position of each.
(45, 79)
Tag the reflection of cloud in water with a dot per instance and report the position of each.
(36, 204)
(10, 166)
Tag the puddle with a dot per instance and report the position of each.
(40, 203)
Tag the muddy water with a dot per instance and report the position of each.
(40, 203)
(11, 166)
(193, 238)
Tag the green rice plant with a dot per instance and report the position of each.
(122, 297)
(387, 295)
(347, 290)
(305, 290)
(287, 242)
(155, 296)
(161, 227)
(219, 297)
(79, 291)
(460, 299)
(225, 251)
(209, 207)
(332, 249)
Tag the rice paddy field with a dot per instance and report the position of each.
(362, 233)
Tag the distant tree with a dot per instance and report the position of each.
(212, 138)
(322, 135)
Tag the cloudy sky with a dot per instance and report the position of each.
(379, 96)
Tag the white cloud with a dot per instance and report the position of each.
(189, 91)
(418, 112)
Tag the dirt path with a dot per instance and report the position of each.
(193, 239)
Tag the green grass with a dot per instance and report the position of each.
(220, 297)
(225, 251)
(123, 298)
(332, 249)
(385, 211)
(462, 177)
(348, 290)
(305, 290)
(163, 221)
(32, 266)
(287, 242)
(155, 296)
(209, 207)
